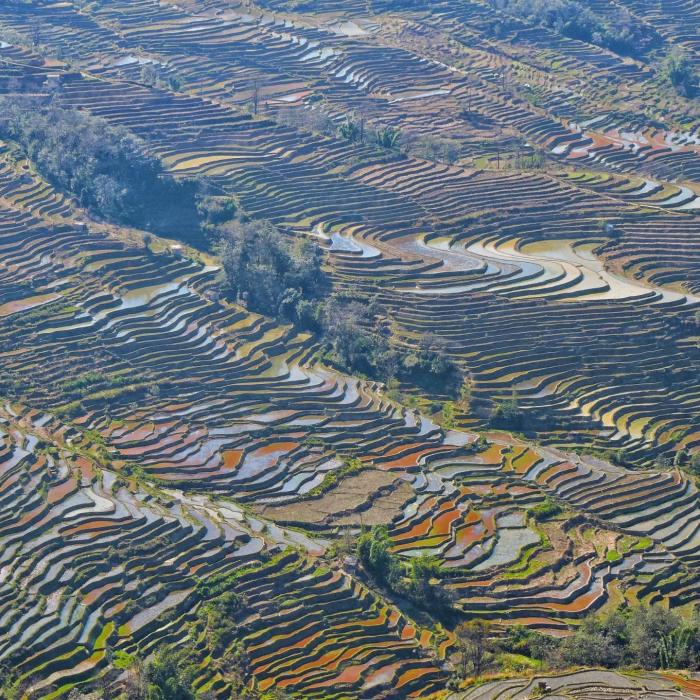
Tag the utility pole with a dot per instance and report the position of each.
(256, 97)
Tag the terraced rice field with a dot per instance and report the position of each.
(585, 684)
(154, 436)
(583, 256)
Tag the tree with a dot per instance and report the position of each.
(135, 684)
(373, 551)
(387, 136)
(350, 128)
(174, 83)
(448, 415)
(465, 393)
(473, 644)
(11, 688)
(149, 74)
(663, 462)
(676, 647)
(680, 458)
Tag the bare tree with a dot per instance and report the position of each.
(473, 644)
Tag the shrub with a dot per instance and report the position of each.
(546, 510)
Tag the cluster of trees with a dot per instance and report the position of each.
(408, 579)
(678, 70)
(680, 459)
(351, 127)
(508, 414)
(390, 138)
(643, 637)
(648, 637)
(281, 276)
(109, 171)
(271, 273)
(106, 168)
(151, 74)
(393, 5)
(692, 463)
(619, 32)
(170, 674)
(438, 149)
(291, 5)
(357, 338)
(311, 120)
(530, 161)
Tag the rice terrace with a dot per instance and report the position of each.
(349, 349)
